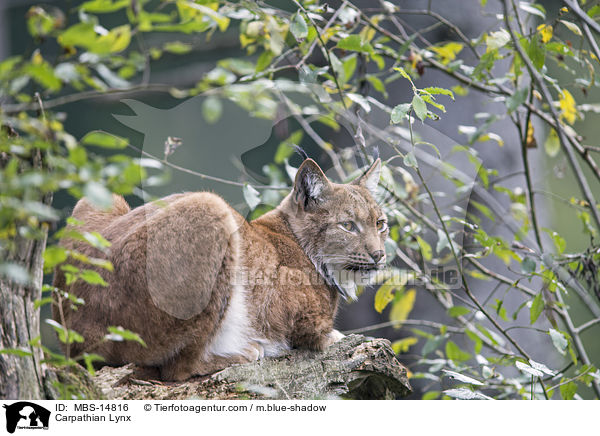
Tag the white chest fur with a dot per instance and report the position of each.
(233, 336)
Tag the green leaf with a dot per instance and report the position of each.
(457, 311)
(425, 248)
(542, 367)
(43, 74)
(572, 27)
(420, 107)
(41, 22)
(104, 6)
(466, 394)
(533, 9)
(462, 378)
(433, 344)
(298, 27)
(483, 208)
(21, 352)
(496, 40)
(594, 11)
(552, 144)
(120, 334)
(536, 51)
(42, 302)
(431, 395)
(439, 91)
(78, 156)
(399, 112)
(286, 148)
(536, 309)
(264, 60)
(252, 196)
(403, 73)
(377, 84)
(360, 100)
(559, 340)
(53, 255)
(567, 390)
(89, 359)
(177, 47)
(92, 277)
(476, 339)
(526, 368)
(349, 66)
(104, 139)
(221, 21)
(528, 265)
(98, 194)
(517, 99)
(84, 35)
(355, 43)
(65, 335)
(212, 109)
(453, 352)
(410, 160)
(500, 309)
(403, 345)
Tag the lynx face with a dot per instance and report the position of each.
(340, 226)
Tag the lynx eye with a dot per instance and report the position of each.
(381, 225)
(349, 226)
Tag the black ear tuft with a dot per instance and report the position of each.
(301, 152)
(370, 178)
(311, 185)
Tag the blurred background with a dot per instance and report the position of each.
(240, 147)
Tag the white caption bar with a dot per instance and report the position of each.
(114, 418)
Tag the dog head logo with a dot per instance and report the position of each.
(26, 415)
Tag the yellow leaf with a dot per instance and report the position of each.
(530, 141)
(121, 37)
(37, 58)
(402, 345)
(448, 51)
(567, 106)
(546, 31)
(383, 296)
(245, 40)
(402, 307)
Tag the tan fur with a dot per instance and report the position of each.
(205, 289)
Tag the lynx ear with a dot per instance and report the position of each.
(370, 179)
(311, 185)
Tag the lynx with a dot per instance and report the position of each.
(206, 289)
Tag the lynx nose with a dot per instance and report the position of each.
(377, 255)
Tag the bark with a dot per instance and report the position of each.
(21, 376)
(356, 367)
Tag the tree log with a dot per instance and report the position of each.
(21, 377)
(356, 367)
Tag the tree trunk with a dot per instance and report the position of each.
(21, 376)
(355, 367)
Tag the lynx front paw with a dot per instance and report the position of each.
(255, 351)
(333, 337)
